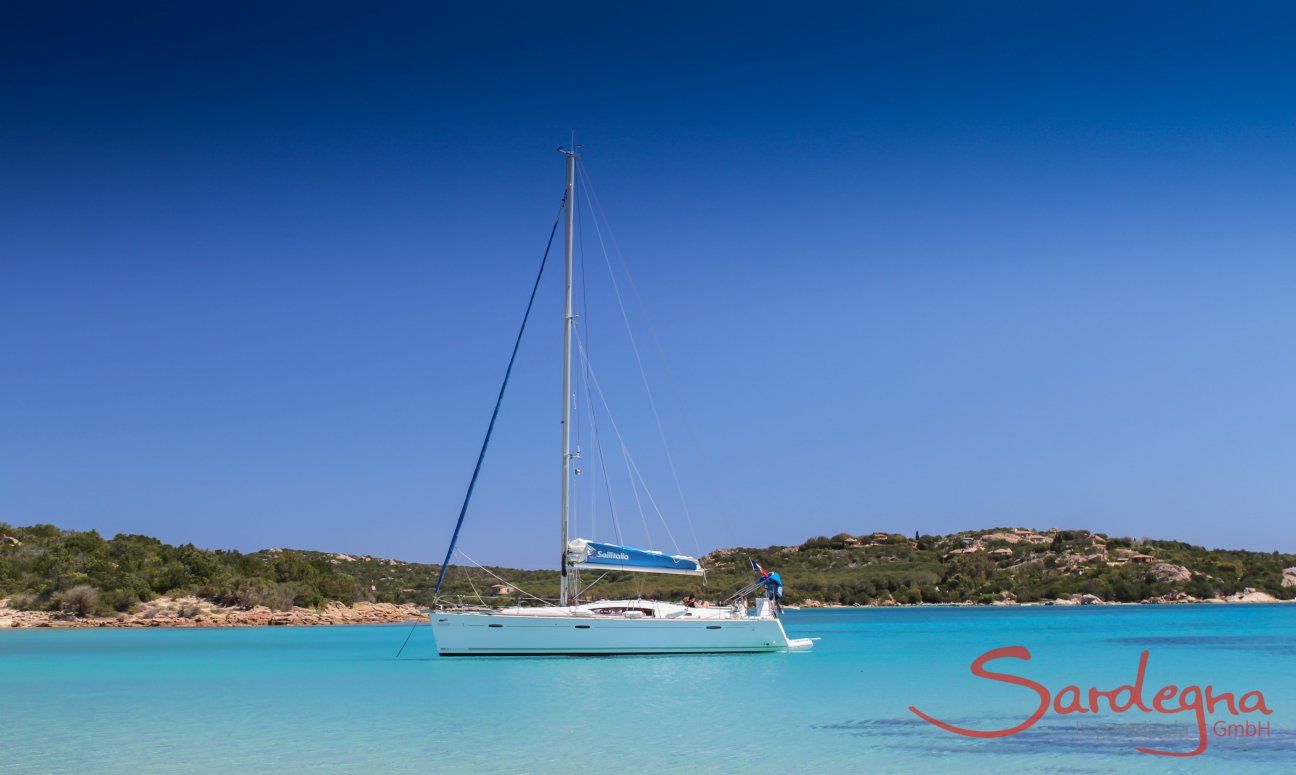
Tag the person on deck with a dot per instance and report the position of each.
(690, 601)
(774, 589)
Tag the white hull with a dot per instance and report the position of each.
(504, 634)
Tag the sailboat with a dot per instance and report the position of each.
(631, 626)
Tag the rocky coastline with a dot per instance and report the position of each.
(195, 612)
(1247, 595)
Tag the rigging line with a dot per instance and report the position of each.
(653, 501)
(634, 490)
(598, 445)
(694, 437)
(625, 451)
(463, 510)
(593, 507)
(502, 580)
(629, 458)
(634, 347)
(591, 584)
(405, 643)
(473, 587)
(591, 468)
(672, 380)
(582, 330)
(594, 201)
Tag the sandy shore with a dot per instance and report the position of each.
(193, 612)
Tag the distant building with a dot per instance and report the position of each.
(502, 590)
(1142, 558)
(1001, 552)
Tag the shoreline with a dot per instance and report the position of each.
(1105, 604)
(195, 613)
(191, 613)
(1249, 595)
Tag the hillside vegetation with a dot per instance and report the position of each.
(985, 566)
(45, 568)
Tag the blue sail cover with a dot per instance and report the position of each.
(597, 556)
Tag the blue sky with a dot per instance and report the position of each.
(923, 267)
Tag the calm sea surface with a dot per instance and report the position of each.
(336, 699)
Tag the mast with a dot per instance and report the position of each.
(568, 323)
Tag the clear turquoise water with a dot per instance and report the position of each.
(335, 699)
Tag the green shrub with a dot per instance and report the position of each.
(82, 600)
